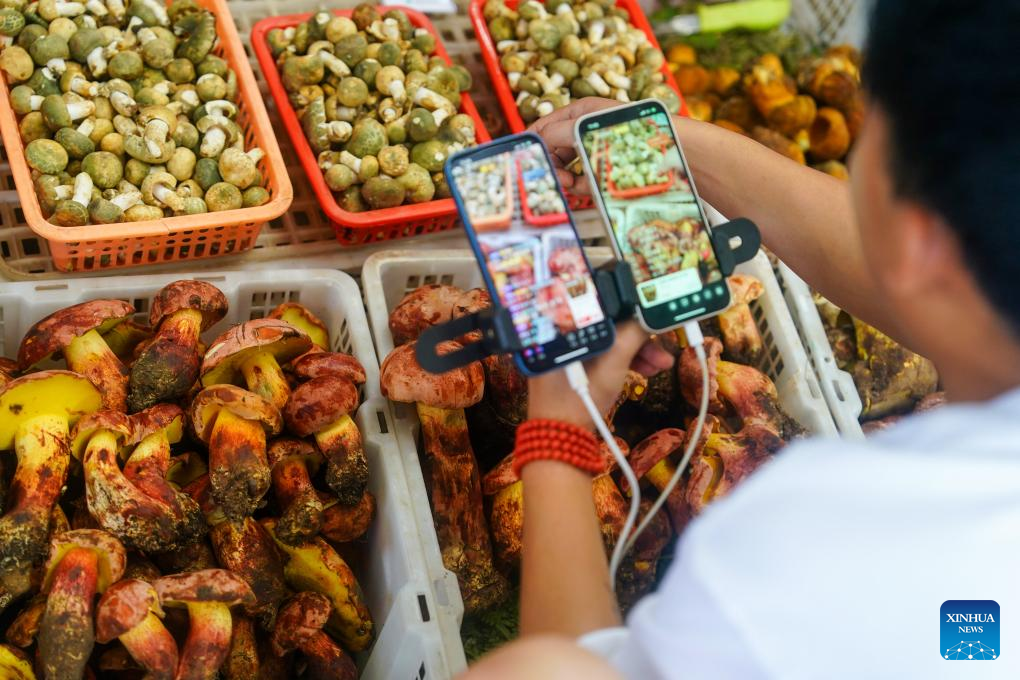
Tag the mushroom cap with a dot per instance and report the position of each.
(114, 422)
(287, 448)
(188, 294)
(653, 449)
(242, 403)
(206, 585)
(744, 288)
(42, 393)
(301, 617)
(168, 417)
(8, 369)
(302, 317)
(471, 301)
(110, 555)
(423, 307)
(316, 364)
(319, 402)
(608, 455)
(57, 330)
(123, 606)
(499, 477)
(403, 379)
(226, 354)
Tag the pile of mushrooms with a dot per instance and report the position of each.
(126, 111)
(561, 50)
(469, 417)
(378, 106)
(172, 510)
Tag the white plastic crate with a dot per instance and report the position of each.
(388, 276)
(837, 385)
(409, 642)
(830, 22)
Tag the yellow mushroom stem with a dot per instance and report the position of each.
(238, 470)
(208, 642)
(714, 462)
(347, 473)
(147, 640)
(265, 378)
(89, 355)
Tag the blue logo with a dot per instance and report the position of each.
(970, 630)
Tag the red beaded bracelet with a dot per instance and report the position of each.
(543, 439)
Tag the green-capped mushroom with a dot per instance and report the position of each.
(367, 70)
(298, 71)
(415, 61)
(210, 86)
(201, 40)
(253, 197)
(142, 213)
(207, 173)
(367, 138)
(352, 91)
(394, 160)
(46, 156)
(240, 168)
(127, 65)
(351, 200)
(179, 71)
(192, 205)
(390, 81)
(25, 100)
(223, 196)
(442, 186)
(75, 143)
(431, 155)
(135, 171)
(33, 127)
(113, 143)
(213, 64)
(16, 64)
(58, 113)
(186, 135)
(364, 15)
(421, 125)
(382, 192)
(403, 22)
(182, 163)
(11, 23)
(338, 177)
(158, 190)
(48, 48)
(417, 184)
(74, 211)
(105, 169)
(340, 27)
(217, 133)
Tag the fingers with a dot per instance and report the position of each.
(629, 339)
(651, 360)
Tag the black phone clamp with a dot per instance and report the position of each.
(735, 242)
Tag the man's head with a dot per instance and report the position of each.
(937, 169)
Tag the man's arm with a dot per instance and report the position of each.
(805, 216)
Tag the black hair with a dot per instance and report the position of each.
(946, 74)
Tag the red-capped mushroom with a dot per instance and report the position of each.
(234, 422)
(208, 596)
(651, 461)
(343, 523)
(456, 488)
(77, 333)
(740, 333)
(35, 414)
(82, 564)
(322, 408)
(168, 366)
(422, 308)
(252, 353)
(318, 364)
(299, 627)
(293, 462)
(130, 611)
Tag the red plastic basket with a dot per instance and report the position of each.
(372, 225)
(550, 220)
(506, 96)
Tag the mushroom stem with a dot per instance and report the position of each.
(96, 61)
(150, 644)
(347, 467)
(169, 363)
(302, 514)
(457, 506)
(342, 524)
(238, 469)
(324, 657)
(66, 635)
(208, 641)
(213, 142)
(82, 189)
(266, 379)
(126, 200)
(89, 355)
(43, 454)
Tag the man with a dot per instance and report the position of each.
(834, 560)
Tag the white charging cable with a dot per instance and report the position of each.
(578, 380)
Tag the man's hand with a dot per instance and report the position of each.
(550, 396)
(557, 129)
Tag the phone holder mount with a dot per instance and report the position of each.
(735, 242)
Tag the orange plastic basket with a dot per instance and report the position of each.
(356, 228)
(188, 237)
(501, 85)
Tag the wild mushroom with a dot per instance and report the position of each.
(456, 489)
(299, 627)
(242, 660)
(246, 549)
(169, 365)
(650, 460)
(318, 364)
(14, 664)
(218, 132)
(740, 333)
(74, 211)
(76, 331)
(293, 462)
(253, 352)
(240, 168)
(301, 317)
(24, 629)
(422, 308)
(82, 564)
(342, 523)
(322, 407)
(37, 412)
(208, 596)
(158, 190)
(317, 567)
(130, 611)
(234, 423)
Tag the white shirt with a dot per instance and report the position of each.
(833, 561)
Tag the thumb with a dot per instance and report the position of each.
(630, 338)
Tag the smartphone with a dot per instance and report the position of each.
(531, 257)
(644, 189)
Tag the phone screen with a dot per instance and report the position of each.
(656, 220)
(517, 219)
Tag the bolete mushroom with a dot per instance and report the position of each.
(322, 407)
(253, 352)
(456, 488)
(316, 566)
(299, 316)
(299, 627)
(82, 564)
(651, 462)
(422, 308)
(14, 663)
(740, 333)
(234, 422)
(342, 523)
(130, 611)
(77, 332)
(170, 364)
(37, 412)
(293, 463)
(208, 596)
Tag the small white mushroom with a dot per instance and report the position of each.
(97, 8)
(82, 108)
(80, 85)
(598, 84)
(57, 66)
(617, 80)
(96, 61)
(122, 103)
(338, 130)
(218, 107)
(440, 106)
(351, 161)
(82, 189)
(324, 49)
(390, 80)
(117, 8)
(127, 199)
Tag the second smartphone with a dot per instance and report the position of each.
(517, 220)
(646, 194)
